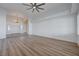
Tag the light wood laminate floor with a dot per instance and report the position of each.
(30, 45)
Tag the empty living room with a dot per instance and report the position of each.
(39, 29)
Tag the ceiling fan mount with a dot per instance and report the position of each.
(34, 6)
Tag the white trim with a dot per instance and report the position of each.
(56, 37)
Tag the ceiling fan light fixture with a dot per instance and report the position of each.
(35, 6)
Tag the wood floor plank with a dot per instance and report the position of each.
(30, 45)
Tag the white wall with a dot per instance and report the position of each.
(61, 27)
(78, 28)
(13, 27)
(78, 24)
(29, 27)
(2, 23)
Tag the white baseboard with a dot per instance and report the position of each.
(69, 39)
(78, 40)
(15, 34)
(2, 36)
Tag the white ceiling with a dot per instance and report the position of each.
(50, 8)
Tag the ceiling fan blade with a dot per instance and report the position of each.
(33, 10)
(37, 9)
(34, 4)
(31, 4)
(26, 4)
(41, 8)
(41, 4)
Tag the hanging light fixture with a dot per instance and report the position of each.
(34, 6)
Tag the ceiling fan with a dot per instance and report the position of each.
(34, 6)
